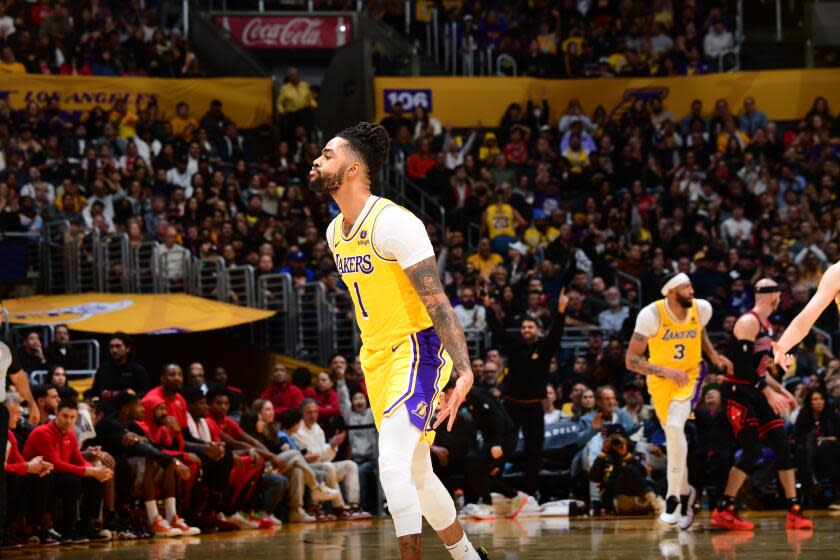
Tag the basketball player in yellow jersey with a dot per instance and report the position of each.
(673, 331)
(828, 290)
(411, 337)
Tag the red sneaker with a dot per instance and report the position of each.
(795, 520)
(729, 520)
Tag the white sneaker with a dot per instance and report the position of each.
(687, 520)
(300, 516)
(523, 505)
(323, 493)
(671, 515)
(484, 512)
(241, 522)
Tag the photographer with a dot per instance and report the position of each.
(621, 477)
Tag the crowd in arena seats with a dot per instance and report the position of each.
(582, 39)
(96, 38)
(97, 465)
(605, 208)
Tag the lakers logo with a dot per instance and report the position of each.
(420, 410)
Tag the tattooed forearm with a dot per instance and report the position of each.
(425, 279)
(636, 361)
(639, 364)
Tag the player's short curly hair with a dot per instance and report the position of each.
(371, 142)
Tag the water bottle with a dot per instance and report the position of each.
(459, 500)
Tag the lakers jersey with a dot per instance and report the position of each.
(677, 345)
(500, 220)
(402, 358)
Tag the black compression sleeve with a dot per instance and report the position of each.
(745, 361)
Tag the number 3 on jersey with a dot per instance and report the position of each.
(679, 349)
(359, 299)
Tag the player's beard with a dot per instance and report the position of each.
(328, 183)
(686, 302)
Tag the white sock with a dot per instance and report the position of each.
(169, 505)
(463, 550)
(152, 511)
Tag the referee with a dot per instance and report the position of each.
(10, 366)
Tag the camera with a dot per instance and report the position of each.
(616, 441)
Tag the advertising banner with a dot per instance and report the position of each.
(783, 95)
(245, 100)
(288, 32)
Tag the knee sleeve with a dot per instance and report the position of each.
(435, 502)
(750, 450)
(775, 439)
(397, 443)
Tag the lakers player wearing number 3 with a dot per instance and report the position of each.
(412, 341)
(673, 331)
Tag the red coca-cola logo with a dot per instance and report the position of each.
(288, 32)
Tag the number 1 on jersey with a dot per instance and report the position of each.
(359, 298)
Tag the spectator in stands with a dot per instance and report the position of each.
(363, 440)
(214, 121)
(634, 403)
(499, 434)
(713, 454)
(471, 315)
(751, 119)
(295, 103)
(282, 393)
(61, 352)
(321, 455)
(8, 64)
(237, 398)
(183, 124)
(121, 373)
(326, 397)
(77, 484)
(817, 433)
(31, 354)
(27, 484)
(297, 269)
(46, 399)
(606, 412)
(612, 319)
(57, 377)
(484, 260)
(718, 40)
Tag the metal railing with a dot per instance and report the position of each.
(209, 278)
(142, 269)
(239, 281)
(345, 334)
(274, 293)
(313, 319)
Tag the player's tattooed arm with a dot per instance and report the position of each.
(635, 359)
(424, 277)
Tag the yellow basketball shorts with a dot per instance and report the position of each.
(411, 372)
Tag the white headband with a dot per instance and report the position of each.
(676, 281)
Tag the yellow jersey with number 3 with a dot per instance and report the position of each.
(676, 345)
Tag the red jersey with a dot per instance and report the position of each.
(224, 426)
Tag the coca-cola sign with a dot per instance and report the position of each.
(288, 32)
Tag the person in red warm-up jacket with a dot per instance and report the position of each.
(27, 482)
(76, 482)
